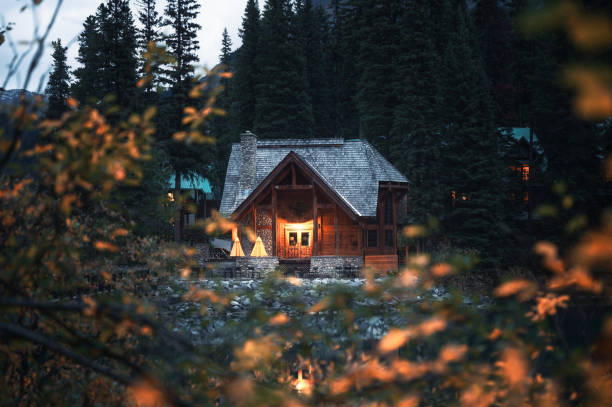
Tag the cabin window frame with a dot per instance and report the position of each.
(372, 231)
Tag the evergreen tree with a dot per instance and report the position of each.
(220, 126)
(283, 106)
(182, 45)
(58, 86)
(118, 35)
(245, 77)
(149, 32)
(416, 134)
(342, 55)
(471, 161)
(88, 85)
(376, 32)
(107, 53)
(495, 35)
(313, 41)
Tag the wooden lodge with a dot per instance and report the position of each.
(327, 201)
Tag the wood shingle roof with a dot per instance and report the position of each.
(352, 168)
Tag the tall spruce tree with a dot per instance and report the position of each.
(342, 54)
(376, 32)
(495, 40)
(58, 87)
(242, 110)
(471, 163)
(283, 107)
(149, 32)
(88, 84)
(416, 134)
(312, 27)
(107, 53)
(220, 124)
(182, 45)
(118, 35)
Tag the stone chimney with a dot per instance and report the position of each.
(248, 166)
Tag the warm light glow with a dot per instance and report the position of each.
(302, 385)
(258, 249)
(237, 249)
(523, 169)
(170, 196)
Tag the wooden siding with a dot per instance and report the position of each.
(382, 263)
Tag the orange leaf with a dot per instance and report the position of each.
(105, 246)
(279, 319)
(394, 339)
(524, 288)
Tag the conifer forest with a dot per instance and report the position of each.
(359, 203)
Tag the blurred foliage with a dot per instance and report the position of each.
(79, 327)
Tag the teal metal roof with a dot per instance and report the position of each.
(192, 181)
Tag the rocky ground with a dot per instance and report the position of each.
(251, 299)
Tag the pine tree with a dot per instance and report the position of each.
(343, 71)
(219, 124)
(283, 106)
(471, 163)
(182, 45)
(149, 32)
(88, 85)
(118, 35)
(312, 27)
(245, 78)
(58, 87)
(376, 32)
(495, 40)
(107, 53)
(416, 134)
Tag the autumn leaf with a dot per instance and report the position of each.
(394, 339)
(524, 289)
(279, 319)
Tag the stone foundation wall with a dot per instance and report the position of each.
(328, 266)
(263, 265)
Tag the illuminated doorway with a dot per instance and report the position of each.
(298, 239)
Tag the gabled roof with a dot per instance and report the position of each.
(353, 169)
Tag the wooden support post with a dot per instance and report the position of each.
(274, 253)
(393, 198)
(336, 241)
(292, 174)
(381, 220)
(315, 224)
(254, 220)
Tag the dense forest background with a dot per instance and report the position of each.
(436, 86)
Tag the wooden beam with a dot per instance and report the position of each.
(254, 220)
(274, 222)
(291, 187)
(336, 242)
(393, 196)
(325, 206)
(315, 223)
(293, 174)
(381, 219)
(361, 244)
(268, 207)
